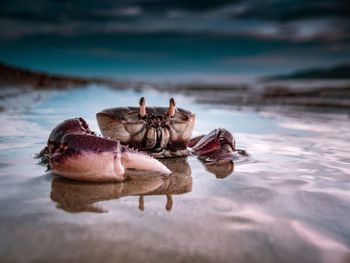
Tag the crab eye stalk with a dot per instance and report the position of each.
(172, 106)
(142, 107)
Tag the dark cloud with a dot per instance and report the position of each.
(194, 5)
(293, 10)
(51, 13)
(293, 20)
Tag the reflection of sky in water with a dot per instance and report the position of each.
(297, 179)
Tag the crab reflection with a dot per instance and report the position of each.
(179, 182)
(74, 196)
(225, 167)
(221, 170)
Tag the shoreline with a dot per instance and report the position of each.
(332, 94)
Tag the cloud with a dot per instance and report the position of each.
(289, 20)
(124, 12)
(187, 5)
(289, 58)
(113, 54)
(321, 30)
(285, 11)
(273, 59)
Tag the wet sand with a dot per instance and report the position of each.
(288, 202)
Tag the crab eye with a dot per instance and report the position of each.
(172, 107)
(142, 111)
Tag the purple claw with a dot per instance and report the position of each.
(216, 146)
(75, 152)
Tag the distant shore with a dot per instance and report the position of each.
(14, 76)
(323, 93)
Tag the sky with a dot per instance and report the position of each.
(175, 39)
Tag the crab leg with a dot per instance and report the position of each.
(142, 107)
(172, 106)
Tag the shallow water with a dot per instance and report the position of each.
(289, 202)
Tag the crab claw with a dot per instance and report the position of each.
(172, 106)
(141, 161)
(216, 146)
(92, 158)
(215, 140)
(142, 103)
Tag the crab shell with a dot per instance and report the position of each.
(157, 132)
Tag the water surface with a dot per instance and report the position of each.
(289, 202)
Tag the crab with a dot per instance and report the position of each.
(132, 138)
(164, 132)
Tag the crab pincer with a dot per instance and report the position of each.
(217, 146)
(73, 151)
